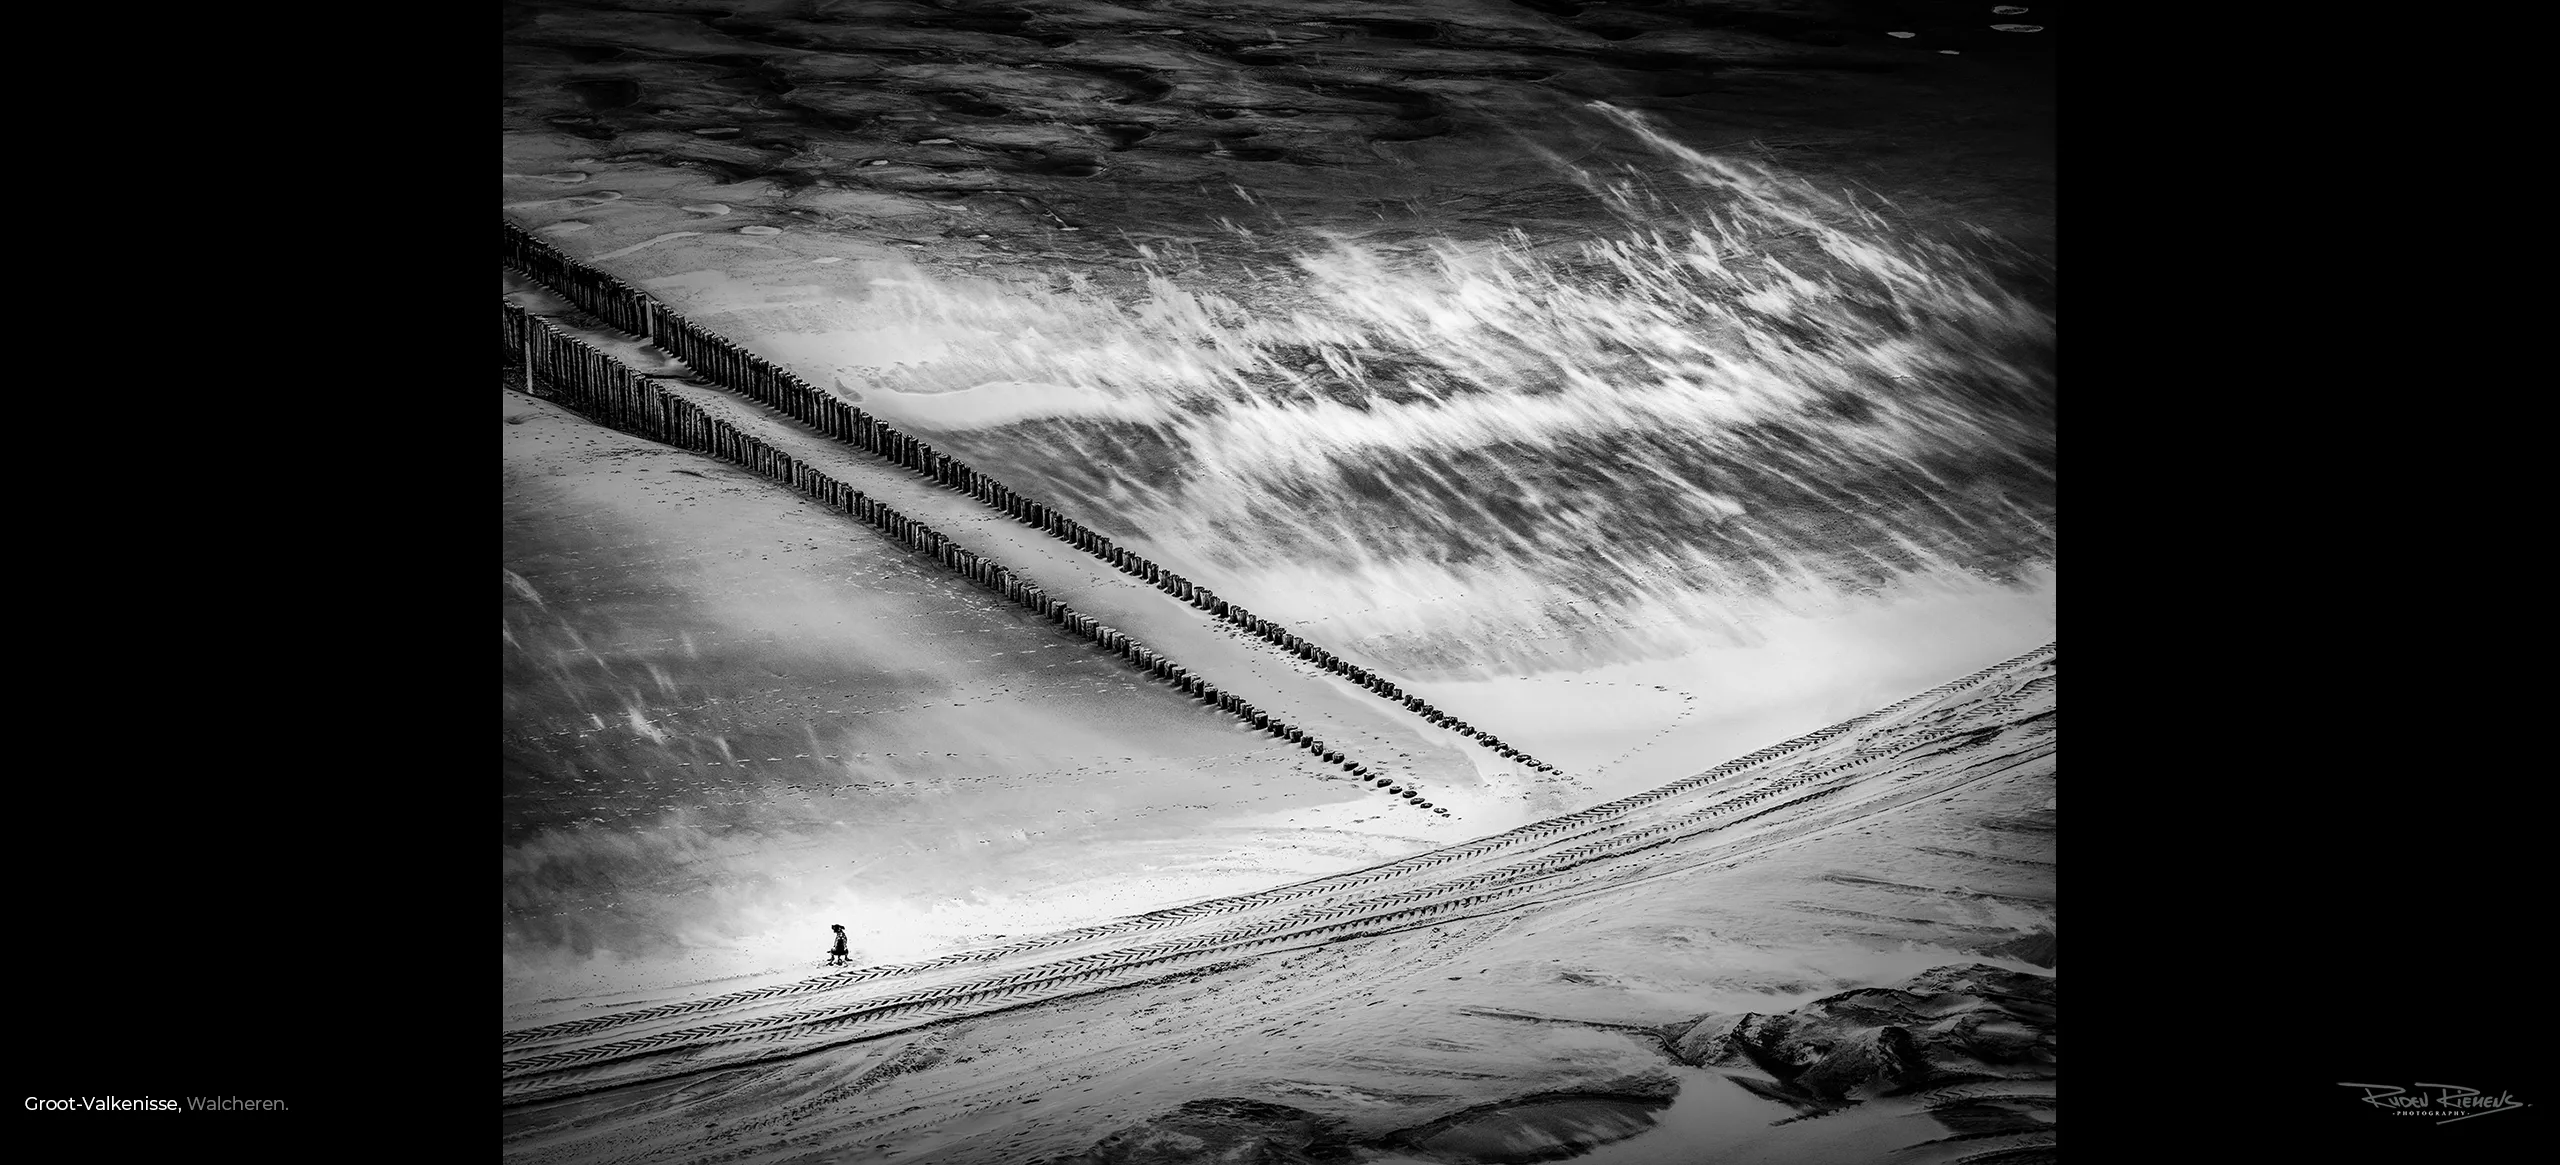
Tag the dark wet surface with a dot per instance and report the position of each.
(1300, 96)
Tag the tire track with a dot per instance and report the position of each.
(1610, 817)
(1603, 819)
(1571, 855)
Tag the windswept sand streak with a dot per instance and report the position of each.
(722, 362)
(597, 384)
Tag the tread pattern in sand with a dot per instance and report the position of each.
(1815, 782)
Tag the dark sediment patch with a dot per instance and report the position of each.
(604, 93)
(1944, 1027)
(2036, 948)
(592, 129)
(750, 75)
(1415, 129)
(1052, 167)
(1223, 1129)
(1518, 1131)
(1533, 1129)
(1408, 104)
(1125, 134)
(1651, 60)
(1397, 29)
(969, 104)
(1612, 31)
(1007, 21)
(1143, 86)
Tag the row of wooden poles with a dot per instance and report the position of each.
(604, 388)
(715, 358)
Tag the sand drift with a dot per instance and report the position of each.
(1995, 722)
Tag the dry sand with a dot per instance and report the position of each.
(1935, 848)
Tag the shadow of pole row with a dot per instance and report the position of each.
(601, 387)
(717, 359)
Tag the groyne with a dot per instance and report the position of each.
(565, 369)
(725, 363)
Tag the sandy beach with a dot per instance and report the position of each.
(1531, 359)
